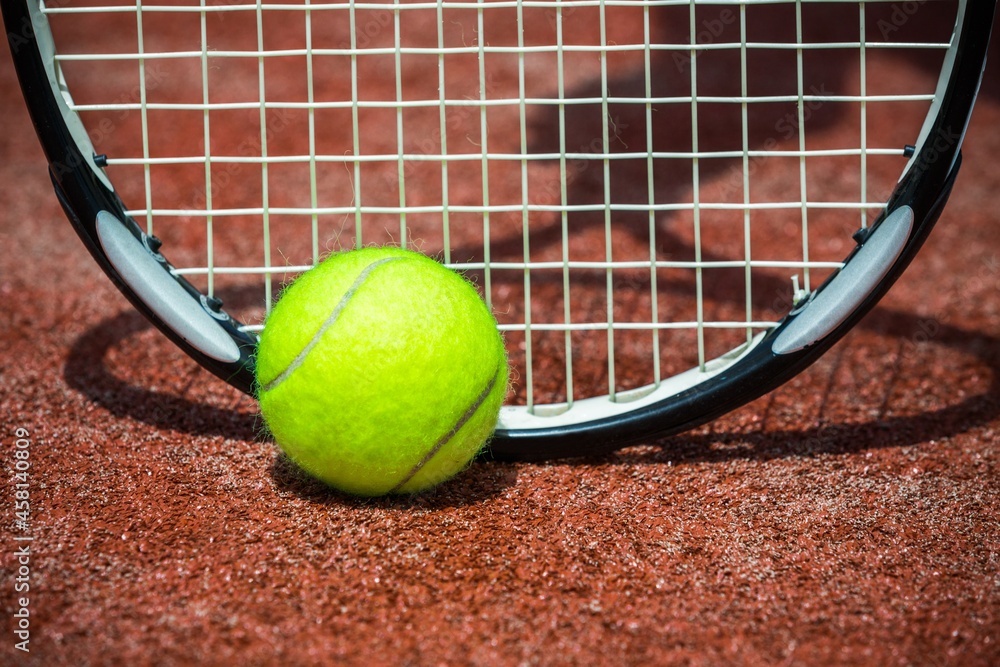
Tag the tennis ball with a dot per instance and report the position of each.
(381, 371)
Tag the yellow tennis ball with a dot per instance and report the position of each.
(381, 371)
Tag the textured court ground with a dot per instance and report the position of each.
(849, 518)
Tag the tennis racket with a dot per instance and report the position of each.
(672, 207)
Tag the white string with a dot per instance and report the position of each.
(525, 199)
(499, 102)
(745, 117)
(498, 208)
(654, 310)
(606, 178)
(400, 143)
(513, 156)
(144, 115)
(801, 129)
(575, 265)
(264, 198)
(311, 99)
(696, 194)
(484, 166)
(443, 131)
(863, 66)
(358, 209)
(564, 204)
(568, 48)
(209, 218)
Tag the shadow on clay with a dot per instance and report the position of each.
(882, 432)
(87, 370)
(476, 483)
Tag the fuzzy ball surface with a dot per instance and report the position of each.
(381, 371)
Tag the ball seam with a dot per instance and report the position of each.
(447, 437)
(329, 322)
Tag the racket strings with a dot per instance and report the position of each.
(624, 180)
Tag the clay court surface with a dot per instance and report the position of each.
(851, 517)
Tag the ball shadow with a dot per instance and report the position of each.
(473, 485)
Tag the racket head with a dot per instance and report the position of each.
(573, 422)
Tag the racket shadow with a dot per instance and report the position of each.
(839, 439)
(88, 370)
